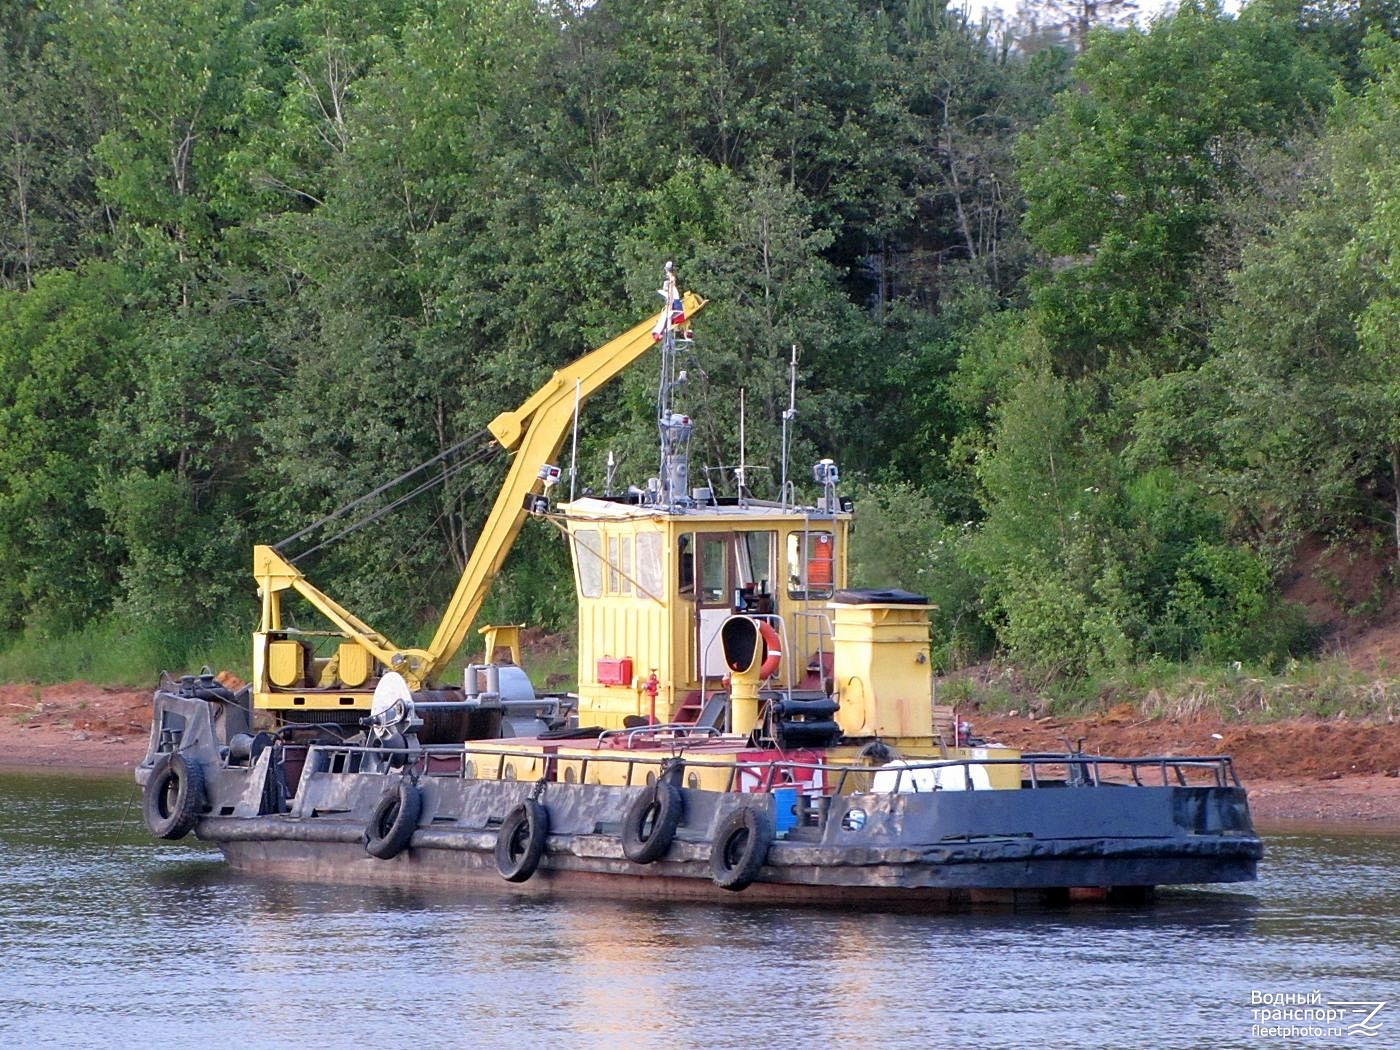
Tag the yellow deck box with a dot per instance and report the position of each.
(881, 657)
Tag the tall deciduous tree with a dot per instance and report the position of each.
(1078, 17)
(50, 116)
(1124, 179)
(66, 352)
(1308, 351)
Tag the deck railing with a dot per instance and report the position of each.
(1038, 770)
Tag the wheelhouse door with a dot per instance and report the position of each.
(734, 573)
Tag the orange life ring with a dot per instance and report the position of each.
(773, 647)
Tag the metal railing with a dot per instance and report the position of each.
(1039, 770)
(678, 733)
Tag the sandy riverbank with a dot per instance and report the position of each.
(1304, 770)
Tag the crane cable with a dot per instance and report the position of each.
(487, 449)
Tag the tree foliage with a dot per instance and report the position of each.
(1112, 324)
(67, 350)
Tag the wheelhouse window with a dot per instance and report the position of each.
(649, 565)
(811, 564)
(712, 573)
(729, 567)
(755, 551)
(619, 564)
(588, 561)
(685, 565)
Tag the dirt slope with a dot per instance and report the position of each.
(1351, 594)
(88, 726)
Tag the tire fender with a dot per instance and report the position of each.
(651, 822)
(174, 796)
(740, 848)
(393, 820)
(520, 842)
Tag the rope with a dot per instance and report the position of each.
(340, 512)
(481, 455)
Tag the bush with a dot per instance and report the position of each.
(901, 540)
(1223, 605)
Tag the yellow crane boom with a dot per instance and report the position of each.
(286, 677)
(535, 433)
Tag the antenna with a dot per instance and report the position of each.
(664, 333)
(741, 471)
(789, 418)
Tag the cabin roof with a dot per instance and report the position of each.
(725, 509)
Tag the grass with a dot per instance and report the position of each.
(1325, 688)
(117, 653)
(113, 653)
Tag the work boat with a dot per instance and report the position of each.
(746, 727)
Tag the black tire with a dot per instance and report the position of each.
(651, 822)
(392, 823)
(740, 848)
(520, 842)
(174, 797)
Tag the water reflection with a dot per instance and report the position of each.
(110, 939)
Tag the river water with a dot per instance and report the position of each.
(110, 939)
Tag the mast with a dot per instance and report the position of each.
(789, 418)
(674, 428)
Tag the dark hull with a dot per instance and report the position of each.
(469, 872)
(308, 813)
(915, 850)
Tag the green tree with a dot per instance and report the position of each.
(1037, 549)
(174, 72)
(1307, 351)
(1369, 166)
(66, 352)
(1125, 178)
(50, 115)
(395, 329)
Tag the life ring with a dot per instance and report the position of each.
(173, 797)
(651, 822)
(740, 848)
(520, 842)
(773, 645)
(394, 818)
